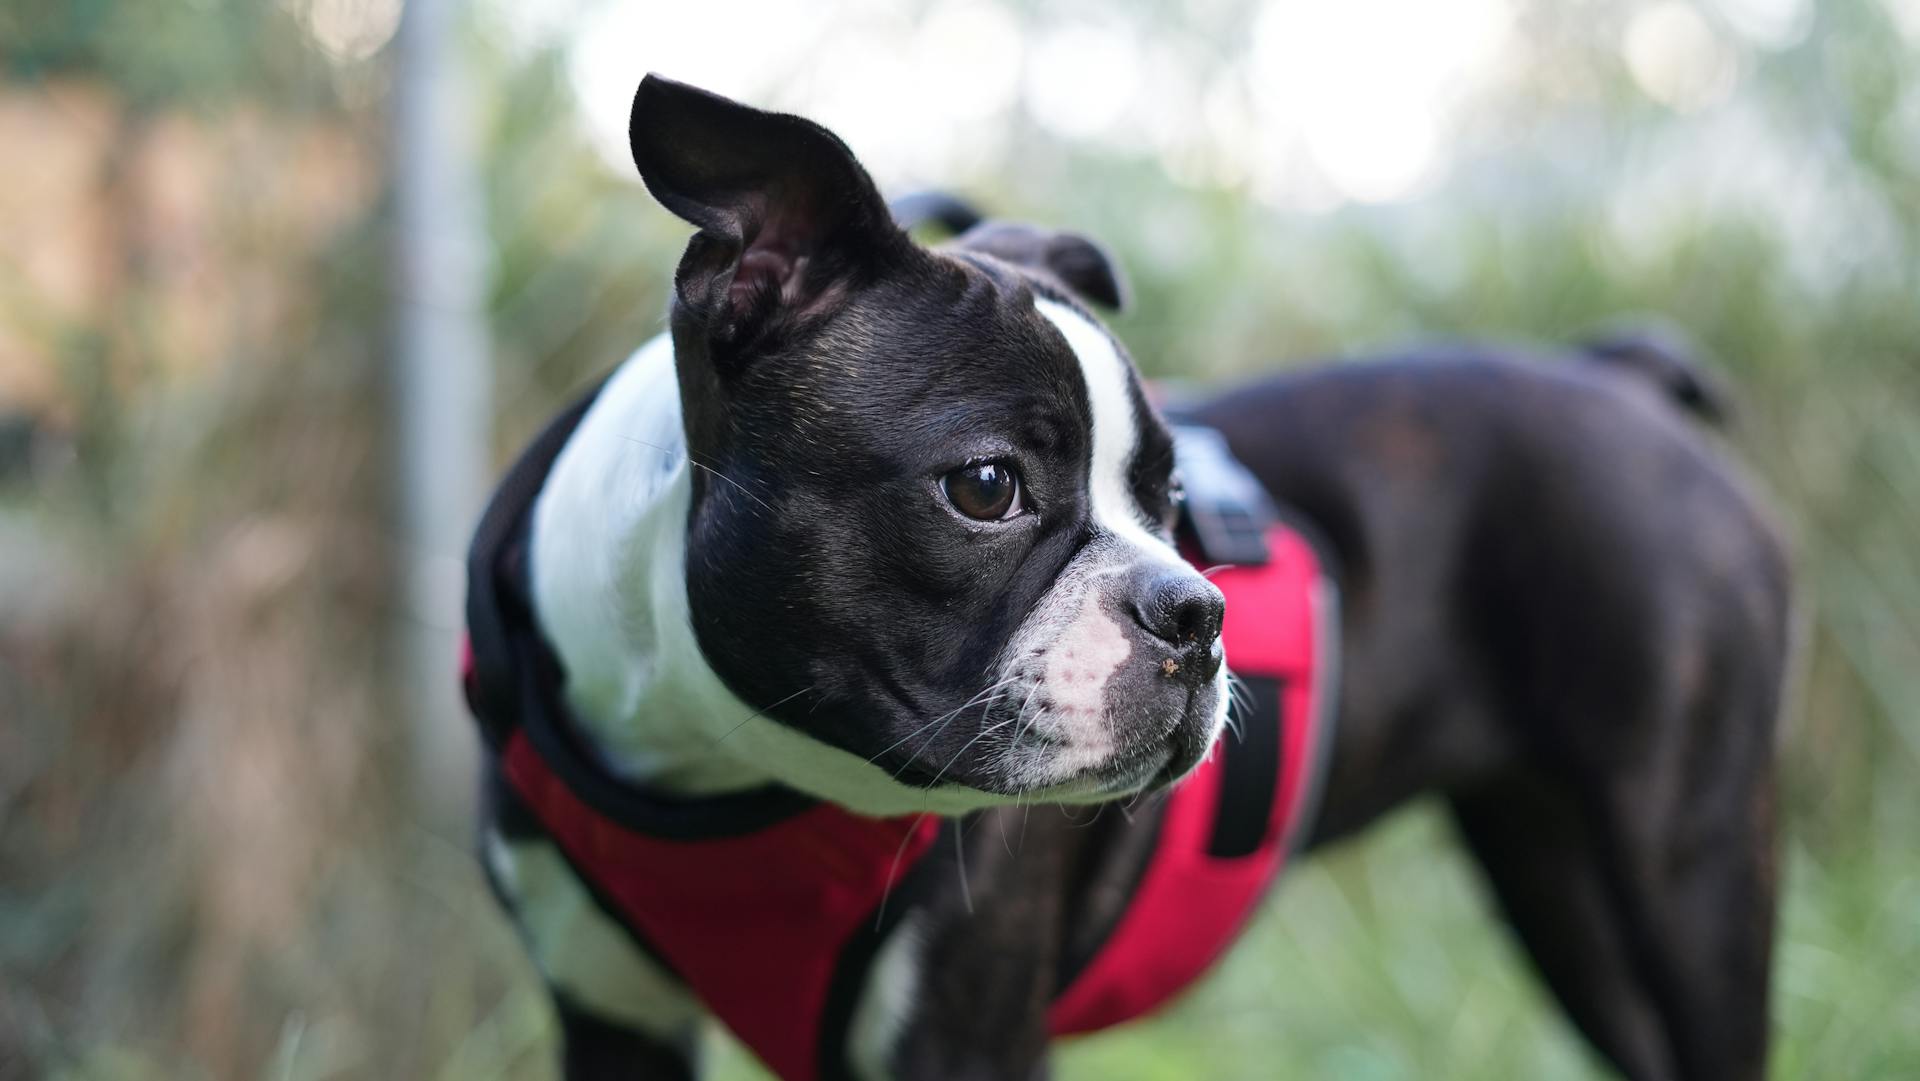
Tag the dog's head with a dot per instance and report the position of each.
(931, 508)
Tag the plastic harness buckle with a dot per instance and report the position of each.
(1227, 513)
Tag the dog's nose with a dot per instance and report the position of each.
(1181, 608)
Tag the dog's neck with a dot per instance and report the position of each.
(609, 585)
(608, 577)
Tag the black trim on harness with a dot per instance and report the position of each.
(728, 814)
(1077, 951)
(854, 967)
(1250, 774)
(491, 694)
(515, 822)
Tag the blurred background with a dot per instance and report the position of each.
(283, 283)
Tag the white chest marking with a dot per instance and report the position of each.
(892, 992)
(609, 583)
(580, 950)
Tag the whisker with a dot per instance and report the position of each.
(917, 751)
(960, 858)
(1022, 730)
(1237, 688)
(880, 917)
(698, 464)
(1098, 810)
(978, 699)
(990, 687)
(1215, 569)
(944, 716)
(984, 732)
(761, 712)
(1239, 702)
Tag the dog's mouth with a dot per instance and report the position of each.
(1149, 771)
(1033, 738)
(1040, 765)
(1143, 768)
(1154, 768)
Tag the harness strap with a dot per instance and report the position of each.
(1228, 829)
(494, 563)
(771, 905)
(773, 927)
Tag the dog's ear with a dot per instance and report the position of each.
(1077, 262)
(787, 217)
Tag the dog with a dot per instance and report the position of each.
(798, 642)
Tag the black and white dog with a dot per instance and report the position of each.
(871, 554)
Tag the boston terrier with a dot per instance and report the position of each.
(845, 680)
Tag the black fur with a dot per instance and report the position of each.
(1077, 262)
(830, 579)
(1566, 614)
(1565, 611)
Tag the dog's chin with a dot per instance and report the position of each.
(1118, 781)
(1135, 774)
(1146, 767)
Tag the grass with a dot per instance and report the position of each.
(206, 868)
(1381, 961)
(1377, 962)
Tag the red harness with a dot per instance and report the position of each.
(770, 907)
(1199, 889)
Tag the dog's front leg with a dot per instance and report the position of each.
(623, 1016)
(594, 1048)
(968, 977)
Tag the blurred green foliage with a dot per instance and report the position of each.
(200, 562)
(206, 53)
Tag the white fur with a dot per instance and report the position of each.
(608, 578)
(1116, 432)
(887, 1001)
(1061, 661)
(608, 574)
(1077, 670)
(609, 583)
(582, 952)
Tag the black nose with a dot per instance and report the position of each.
(1181, 608)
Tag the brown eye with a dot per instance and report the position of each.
(988, 491)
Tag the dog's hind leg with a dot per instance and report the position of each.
(1693, 873)
(1538, 852)
(1646, 895)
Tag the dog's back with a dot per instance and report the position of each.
(1568, 611)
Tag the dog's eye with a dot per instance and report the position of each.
(988, 491)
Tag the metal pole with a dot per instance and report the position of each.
(442, 397)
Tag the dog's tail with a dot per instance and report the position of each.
(948, 211)
(1664, 357)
